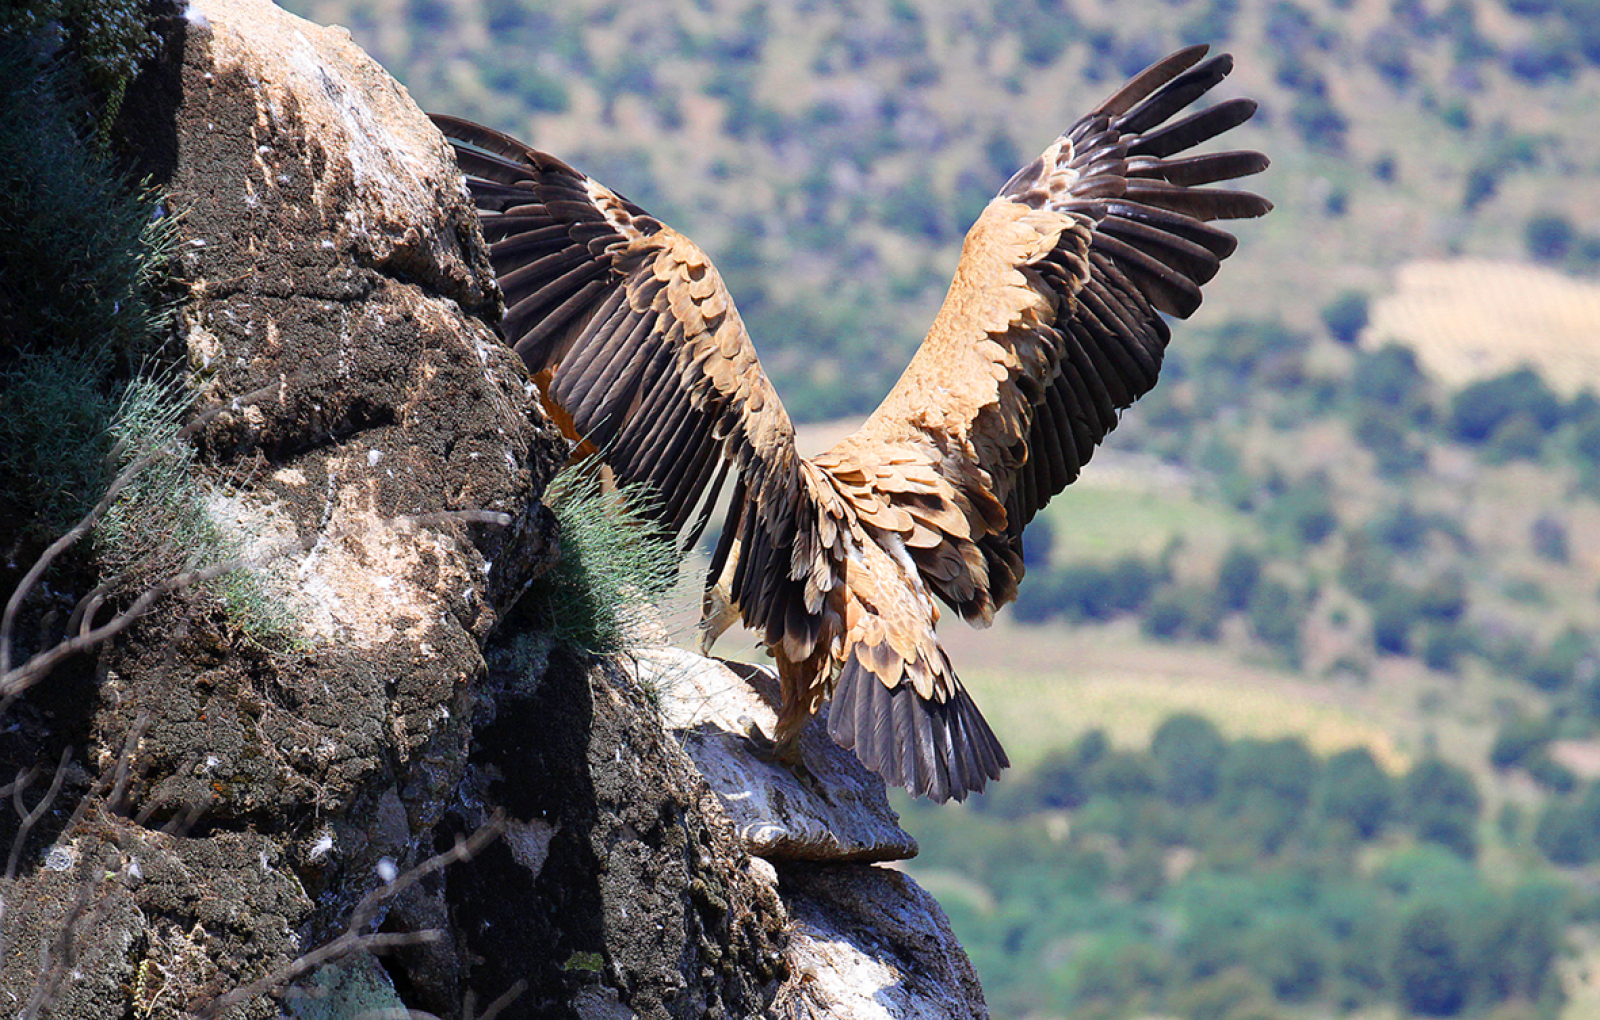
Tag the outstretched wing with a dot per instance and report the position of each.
(641, 353)
(1055, 320)
(1053, 325)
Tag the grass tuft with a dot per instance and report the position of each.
(615, 563)
(160, 524)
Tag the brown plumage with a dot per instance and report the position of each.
(1052, 326)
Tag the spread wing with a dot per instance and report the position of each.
(1055, 323)
(641, 354)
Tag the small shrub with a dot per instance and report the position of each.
(1393, 618)
(1237, 578)
(80, 251)
(1275, 617)
(1346, 316)
(53, 441)
(1480, 409)
(613, 563)
(1183, 612)
(1442, 802)
(1519, 739)
(1305, 509)
(1549, 237)
(1443, 646)
(1549, 539)
(1355, 789)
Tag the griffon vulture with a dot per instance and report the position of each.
(1053, 324)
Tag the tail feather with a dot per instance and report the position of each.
(939, 750)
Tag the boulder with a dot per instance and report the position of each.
(247, 775)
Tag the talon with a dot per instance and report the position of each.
(757, 743)
(763, 748)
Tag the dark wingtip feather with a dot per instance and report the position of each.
(938, 750)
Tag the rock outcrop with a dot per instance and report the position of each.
(227, 803)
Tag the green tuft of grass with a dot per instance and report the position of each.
(160, 525)
(615, 562)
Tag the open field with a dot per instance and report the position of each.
(1041, 687)
(1469, 319)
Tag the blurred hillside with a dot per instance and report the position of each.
(1353, 584)
(831, 155)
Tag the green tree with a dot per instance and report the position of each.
(1430, 963)
(1266, 786)
(1480, 409)
(1549, 237)
(1305, 509)
(1442, 803)
(1568, 832)
(1188, 750)
(1518, 739)
(1276, 613)
(1346, 316)
(1356, 789)
(1237, 577)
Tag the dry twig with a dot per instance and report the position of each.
(353, 939)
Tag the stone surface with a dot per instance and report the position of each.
(868, 943)
(841, 814)
(227, 795)
(326, 245)
(620, 883)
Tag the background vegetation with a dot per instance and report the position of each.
(1330, 736)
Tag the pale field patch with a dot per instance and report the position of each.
(1469, 319)
(1041, 688)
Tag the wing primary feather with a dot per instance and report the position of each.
(1194, 129)
(512, 249)
(532, 343)
(689, 479)
(731, 528)
(1150, 79)
(1192, 260)
(1218, 242)
(1203, 168)
(1174, 96)
(601, 380)
(707, 509)
(641, 436)
(1201, 203)
(1164, 287)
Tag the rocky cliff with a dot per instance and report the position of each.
(218, 822)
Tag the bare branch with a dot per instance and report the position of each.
(31, 818)
(506, 998)
(123, 480)
(352, 940)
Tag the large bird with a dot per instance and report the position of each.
(1053, 325)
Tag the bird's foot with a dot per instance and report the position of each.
(764, 748)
